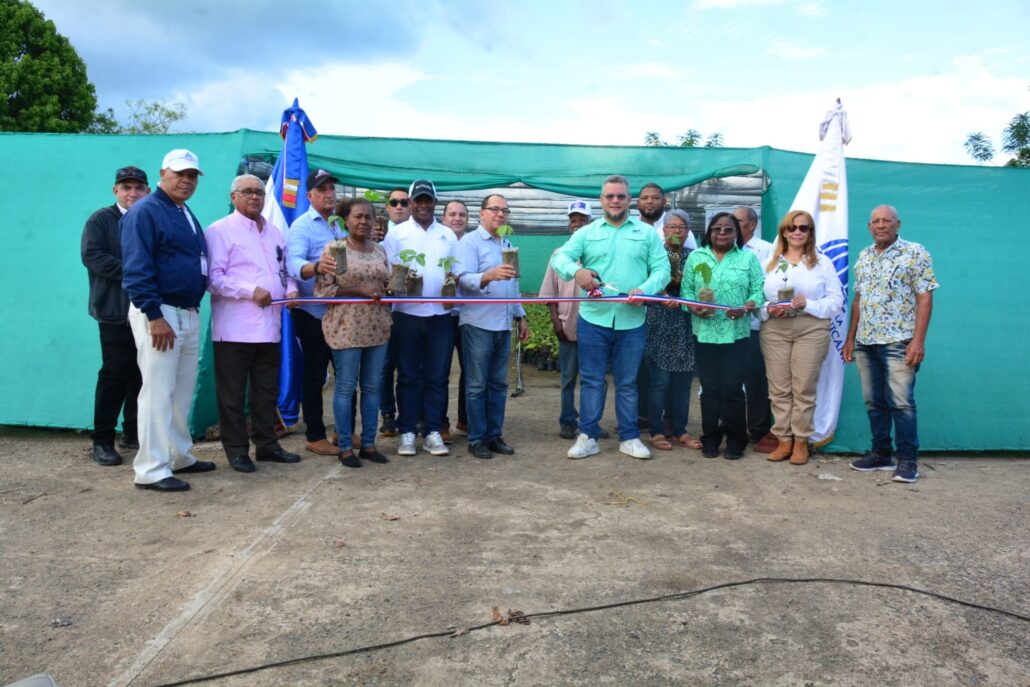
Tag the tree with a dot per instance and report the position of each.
(979, 147)
(691, 139)
(144, 118)
(43, 82)
(1015, 139)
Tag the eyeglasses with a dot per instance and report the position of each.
(803, 228)
(248, 192)
(615, 196)
(498, 211)
(403, 202)
(675, 227)
(723, 230)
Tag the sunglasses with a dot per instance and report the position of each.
(394, 202)
(723, 230)
(803, 228)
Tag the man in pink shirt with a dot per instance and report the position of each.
(247, 272)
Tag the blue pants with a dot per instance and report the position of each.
(486, 380)
(888, 386)
(668, 391)
(424, 348)
(568, 363)
(621, 350)
(354, 365)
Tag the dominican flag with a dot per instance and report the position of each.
(285, 200)
(824, 193)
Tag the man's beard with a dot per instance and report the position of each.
(653, 216)
(617, 219)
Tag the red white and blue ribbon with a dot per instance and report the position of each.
(621, 298)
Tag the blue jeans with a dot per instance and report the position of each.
(621, 350)
(353, 364)
(424, 347)
(568, 363)
(668, 391)
(888, 387)
(486, 380)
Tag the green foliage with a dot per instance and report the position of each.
(783, 266)
(144, 118)
(1015, 139)
(373, 196)
(43, 81)
(505, 230)
(691, 139)
(446, 263)
(706, 273)
(408, 255)
(542, 340)
(674, 240)
(979, 147)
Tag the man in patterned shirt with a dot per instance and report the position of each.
(890, 313)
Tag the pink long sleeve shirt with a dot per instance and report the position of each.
(242, 258)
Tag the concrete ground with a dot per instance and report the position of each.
(104, 584)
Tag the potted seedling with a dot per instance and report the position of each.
(509, 253)
(705, 294)
(450, 284)
(400, 273)
(674, 258)
(784, 293)
(413, 282)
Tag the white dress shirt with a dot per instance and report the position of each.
(436, 242)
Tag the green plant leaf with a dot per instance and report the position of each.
(505, 230)
(373, 196)
(705, 272)
(421, 259)
(407, 256)
(446, 263)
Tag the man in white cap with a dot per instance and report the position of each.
(164, 271)
(563, 319)
(423, 333)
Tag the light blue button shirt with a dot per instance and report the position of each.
(478, 252)
(305, 240)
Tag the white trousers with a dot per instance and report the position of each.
(169, 379)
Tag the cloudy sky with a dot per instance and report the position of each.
(915, 76)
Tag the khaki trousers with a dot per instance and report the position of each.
(794, 349)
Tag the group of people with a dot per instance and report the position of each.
(150, 262)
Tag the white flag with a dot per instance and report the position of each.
(824, 193)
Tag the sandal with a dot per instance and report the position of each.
(660, 442)
(688, 441)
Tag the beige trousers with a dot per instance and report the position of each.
(794, 349)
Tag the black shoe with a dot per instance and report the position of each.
(389, 428)
(104, 454)
(480, 450)
(166, 484)
(710, 451)
(569, 432)
(733, 453)
(198, 466)
(350, 461)
(280, 456)
(242, 464)
(373, 456)
(499, 445)
(128, 443)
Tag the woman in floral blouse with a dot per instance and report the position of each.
(356, 333)
(723, 335)
(670, 348)
(796, 337)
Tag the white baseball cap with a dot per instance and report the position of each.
(580, 207)
(180, 159)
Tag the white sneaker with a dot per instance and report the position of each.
(635, 448)
(434, 444)
(407, 445)
(584, 446)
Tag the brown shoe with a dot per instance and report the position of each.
(782, 451)
(322, 447)
(800, 454)
(767, 444)
(445, 434)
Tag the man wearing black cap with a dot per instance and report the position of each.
(304, 243)
(118, 381)
(423, 333)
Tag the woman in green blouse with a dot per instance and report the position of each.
(733, 273)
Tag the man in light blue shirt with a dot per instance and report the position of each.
(626, 256)
(304, 243)
(486, 329)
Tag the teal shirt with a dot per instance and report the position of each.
(627, 257)
(736, 279)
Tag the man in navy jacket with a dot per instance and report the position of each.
(164, 267)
